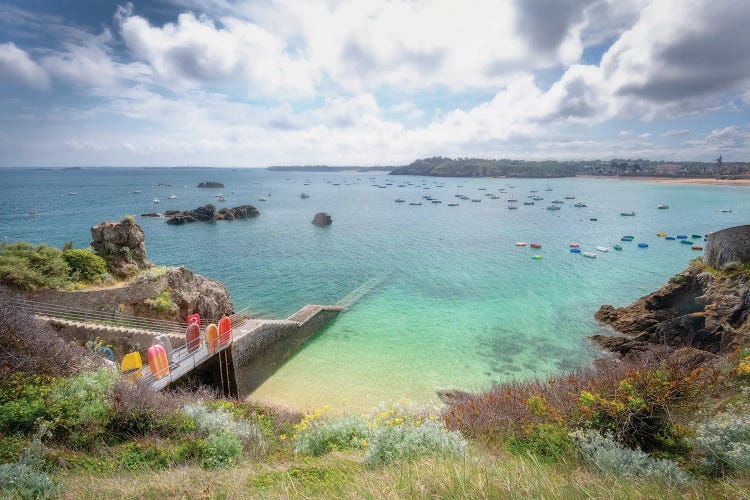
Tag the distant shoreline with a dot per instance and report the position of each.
(672, 180)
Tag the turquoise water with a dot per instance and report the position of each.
(451, 302)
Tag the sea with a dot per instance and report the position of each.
(437, 297)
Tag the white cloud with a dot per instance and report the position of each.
(16, 66)
(676, 133)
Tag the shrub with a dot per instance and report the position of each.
(337, 434)
(144, 456)
(610, 457)
(548, 442)
(30, 267)
(724, 440)
(217, 421)
(222, 450)
(22, 402)
(85, 265)
(162, 302)
(190, 450)
(137, 411)
(81, 406)
(18, 480)
(398, 442)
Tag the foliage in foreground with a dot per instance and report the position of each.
(30, 267)
(608, 456)
(724, 440)
(26, 478)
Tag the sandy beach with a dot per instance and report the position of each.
(673, 180)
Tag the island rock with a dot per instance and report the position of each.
(122, 244)
(210, 184)
(322, 219)
(209, 213)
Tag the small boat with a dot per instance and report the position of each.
(475, 200)
(627, 214)
(536, 245)
(570, 197)
(528, 202)
(136, 192)
(520, 243)
(482, 189)
(156, 200)
(452, 204)
(399, 200)
(575, 250)
(642, 245)
(553, 207)
(512, 207)
(617, 247)
(663, 207)
(548, 189)
(220, 197)
(305, 196)
(537, 198)
(415, 203)
(697, 236)
(72, 193)
(262, 198)
(171, 196)
(338, 184)
(603, 249)
(558, 202)
(512, 200)
(590, 255)
(579, 204)
(575, 245)
(627, 238)
(593, 219)
(435, 201)
(661, 234)
(726, 210)
(682, 236)
(536, 257)
(686, 242)
(696, 247)
(670, 238)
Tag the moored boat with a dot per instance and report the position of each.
(617, 247)
(642, 245)
(661, 234)
(536, 245)
(575, 250)
(536, 257)
(602, 249)
(627, 238)
(590, 255)
(696, 247)
(575, 245)
(627, 214)
(663, 207)
(671, 238)
(520, 243)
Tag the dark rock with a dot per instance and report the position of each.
(122, 245)
(728, 245)
(453, 397)
(170, 213)
(210, 184)
(209, 213)
(322, 219)
(151, 214)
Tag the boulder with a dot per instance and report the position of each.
(210, 184)
(322, 219)
(122, 244)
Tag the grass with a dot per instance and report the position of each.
(482, 474)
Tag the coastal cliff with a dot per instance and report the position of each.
(706, 307)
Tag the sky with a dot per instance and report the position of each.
(253, 83)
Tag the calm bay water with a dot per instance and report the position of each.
(451, 302)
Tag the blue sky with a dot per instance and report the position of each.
(289, 82)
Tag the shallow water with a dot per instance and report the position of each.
(449, 301)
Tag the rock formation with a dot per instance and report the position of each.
(210, 184)
(728, 245)
(209, 213)
(703, 307)
(322, 219)
(122, 244)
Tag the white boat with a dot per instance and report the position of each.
(603, 249)
(512, 207)
(590, 255)
(520, 243)
(220, 197)
(553, 207)
(662, 206)
(579, 204)
(172, 197)
(726, 210)
(72, 193)
(156, 200)
(304, 196)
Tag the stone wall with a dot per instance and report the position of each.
(259, 353)
(728, 245)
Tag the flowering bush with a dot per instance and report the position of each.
(216, 421)
(398, 442)
(610, 457)
(316, 437)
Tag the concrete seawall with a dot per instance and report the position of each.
(258, 352)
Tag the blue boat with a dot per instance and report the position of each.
(642, 245)
(575, 250)
(669, 238)
(682, 236)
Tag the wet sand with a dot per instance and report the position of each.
(673, 180)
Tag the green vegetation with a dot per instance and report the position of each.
(84, 264)
(30, 267)
(162, 302)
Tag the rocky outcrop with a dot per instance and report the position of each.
(209, 213)
(188, 293)
(322, 219)
(123, 245)
(728, 245)
(210, 184)
(700, 308)
(151, 214)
